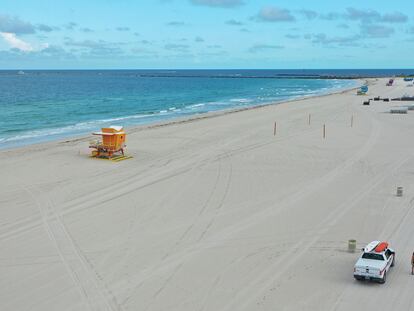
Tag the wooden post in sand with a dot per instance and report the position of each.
(324, 131)
(274, 129)
(309, 119)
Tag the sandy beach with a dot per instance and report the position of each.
(216, 213)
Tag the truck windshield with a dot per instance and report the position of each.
(373, 256)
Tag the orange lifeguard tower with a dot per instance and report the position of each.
(113, 141)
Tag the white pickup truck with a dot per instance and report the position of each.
(375, 262)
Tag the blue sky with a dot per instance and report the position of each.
(153, 34)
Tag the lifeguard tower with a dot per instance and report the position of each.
(112, 144)
(363, 90)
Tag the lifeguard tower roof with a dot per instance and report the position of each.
(116, 130)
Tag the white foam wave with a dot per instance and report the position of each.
(195, 106)
(77, 128)
(241, 100)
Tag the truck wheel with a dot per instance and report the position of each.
(393, 261)
(384, 279)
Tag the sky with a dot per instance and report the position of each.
(206, 34)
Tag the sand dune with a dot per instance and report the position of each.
(215, 213)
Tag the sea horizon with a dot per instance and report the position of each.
(327, 72)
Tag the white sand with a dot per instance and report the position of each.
(215, 214)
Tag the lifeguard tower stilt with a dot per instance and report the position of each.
(111, 146)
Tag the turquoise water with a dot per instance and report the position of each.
(40, 106)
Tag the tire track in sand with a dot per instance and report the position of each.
(95, 296)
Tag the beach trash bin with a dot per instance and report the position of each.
(399, 191)
(351, 246)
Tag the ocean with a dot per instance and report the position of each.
(40, 106)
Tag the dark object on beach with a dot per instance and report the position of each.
(399, 110)
(377, 98)
(367, 102)
(404, 98)
(390, 82)
(386, 99)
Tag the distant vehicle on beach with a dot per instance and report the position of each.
(376, 260)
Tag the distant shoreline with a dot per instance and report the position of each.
(323, 74)
(261, 77)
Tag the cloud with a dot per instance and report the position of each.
(368, 16)
(289, 36)
(362, 15)
(15, 42)
(199, 39)
(218, 3)
(395, 17)
(233, 22)
(122, 28)
(343, 26)
(46, 28)
(212, 54)
(86, 30)
(264, 47)
(275, 14)
(15, 25)
(330, 16)
(175, 23)
(214, 46)
(323, 39)
(309, 14)
(143, 54)
(70, 25)
(176, 47)
(53, 50)
(48, 55)
(376, 31)
(98, 48)
(359, 15)
(90, 44)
